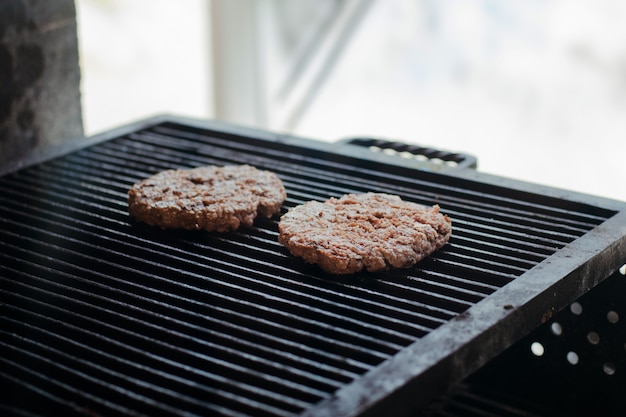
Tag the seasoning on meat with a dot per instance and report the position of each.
(357, 232)
(210, 198)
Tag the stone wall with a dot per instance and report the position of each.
(39, 76)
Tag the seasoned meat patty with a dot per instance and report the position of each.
(210, 198)
(357, 232)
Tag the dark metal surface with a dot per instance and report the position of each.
(102, 316)
(573, 365)
(428, 158)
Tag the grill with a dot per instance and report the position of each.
(104, 316)
(572, 366)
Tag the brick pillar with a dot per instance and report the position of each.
(39, 76)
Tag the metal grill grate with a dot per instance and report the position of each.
(100, 315)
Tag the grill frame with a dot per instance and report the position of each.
(422, 370)
(576, 362)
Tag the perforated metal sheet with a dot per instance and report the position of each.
(573, 365)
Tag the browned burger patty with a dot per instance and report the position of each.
(363, 231)
(210, 198)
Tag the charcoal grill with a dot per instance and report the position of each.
(104, 316)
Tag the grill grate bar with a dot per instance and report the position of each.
(253, 310)
(170, 355)
(328, 375)
(186, 345)
(149, 365)
(489, 238)
(136, 358)
(351, 366)
(267, 290)
(92, 379)
(30, 379)
(515, 229)
(515, 257)
(506, 273)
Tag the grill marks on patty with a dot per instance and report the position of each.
(357, 232)
(210, 198)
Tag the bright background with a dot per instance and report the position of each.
(536, 90)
